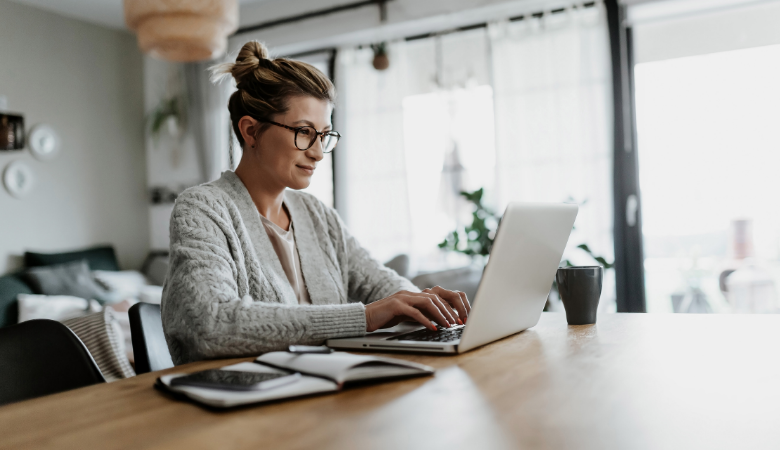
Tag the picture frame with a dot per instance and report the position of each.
(12, 135)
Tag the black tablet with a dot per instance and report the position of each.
(234, 380)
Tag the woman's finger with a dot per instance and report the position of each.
(454, 299)
(465, 299)
(448, 313)
(452, 316)
(427, 305)
(415, 314)
(451, 298)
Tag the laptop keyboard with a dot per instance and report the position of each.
(440, 335)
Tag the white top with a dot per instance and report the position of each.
(284, 245)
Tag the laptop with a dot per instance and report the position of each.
(528, 247)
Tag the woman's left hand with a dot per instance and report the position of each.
(454, 300)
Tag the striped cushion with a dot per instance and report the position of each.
(101, 334)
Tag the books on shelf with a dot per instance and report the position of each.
(320, 373)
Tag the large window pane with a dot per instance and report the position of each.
(709, 149)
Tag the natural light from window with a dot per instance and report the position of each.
(709, 157)
(449, 142)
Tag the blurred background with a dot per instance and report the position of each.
(658, 117)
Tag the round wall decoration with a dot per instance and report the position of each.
(18, 179)
(44, 142)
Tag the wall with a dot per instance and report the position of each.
(87, 83)
(666, 30)
(171, 163)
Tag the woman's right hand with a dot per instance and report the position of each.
(425, 308)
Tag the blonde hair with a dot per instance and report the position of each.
(265, 85)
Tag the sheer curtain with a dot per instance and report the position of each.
(522, 109)
(370, 162)
(400, 127)
(552, 88)
(208, 117)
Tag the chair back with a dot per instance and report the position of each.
(149, 346)
(41, 357)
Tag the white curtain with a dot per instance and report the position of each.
(527, 107)
(208, 119)
(399, 125)
(552, 92)
(370, 165)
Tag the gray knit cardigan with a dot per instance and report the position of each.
(226, 293)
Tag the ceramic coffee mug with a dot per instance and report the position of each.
(580, 289)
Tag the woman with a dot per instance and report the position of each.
(256, 265)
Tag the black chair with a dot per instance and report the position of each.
(149, 347)
(42, 357)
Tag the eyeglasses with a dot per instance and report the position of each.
(306, 135)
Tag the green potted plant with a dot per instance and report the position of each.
(170, 112)
(476, 239)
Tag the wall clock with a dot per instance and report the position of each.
(44, 142)
(18, 179)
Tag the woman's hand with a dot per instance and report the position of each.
(431, 305)
(453, 299)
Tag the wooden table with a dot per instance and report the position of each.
(633, 381)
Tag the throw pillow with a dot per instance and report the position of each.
(151, 294)
(123, 284)
(99, 258)
(54, 307)
(73, 278)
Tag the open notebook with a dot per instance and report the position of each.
(321, 373)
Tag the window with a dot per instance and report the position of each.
(449, 142)
(521, 108)
(709, 154)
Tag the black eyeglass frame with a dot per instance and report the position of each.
(320, 134)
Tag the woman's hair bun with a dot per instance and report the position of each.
(252, 51)
(251, 57)
(265, 85)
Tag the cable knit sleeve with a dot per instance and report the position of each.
(206, 310)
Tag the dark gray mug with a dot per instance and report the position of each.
(580, 289)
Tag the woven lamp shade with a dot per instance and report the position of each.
(182, 30)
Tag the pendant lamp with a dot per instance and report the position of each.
(182, 30)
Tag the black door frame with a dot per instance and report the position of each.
(629, 254)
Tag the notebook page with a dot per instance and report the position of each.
(371, 372)
(338, 365)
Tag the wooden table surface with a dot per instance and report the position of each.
(633, 381)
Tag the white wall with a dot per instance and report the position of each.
(87, 83)
(675, 29)
(171, 163)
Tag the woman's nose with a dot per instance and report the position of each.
(315, 151)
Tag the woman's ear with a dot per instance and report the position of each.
(249, 128)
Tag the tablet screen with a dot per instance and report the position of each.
(234, 380)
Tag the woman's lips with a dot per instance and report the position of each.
(308, 169)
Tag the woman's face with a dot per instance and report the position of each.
(275, 157)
